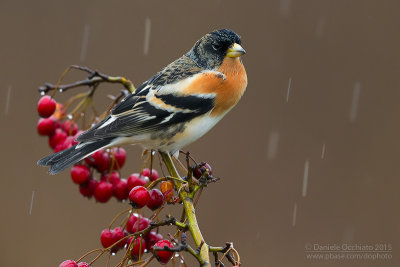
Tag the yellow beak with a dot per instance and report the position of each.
(235, 50)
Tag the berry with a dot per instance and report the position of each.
(70, 127)
(46, 126)
(167, 189)
(121, 189)
(131, 221)
(154, 175)
(60, 111)
(156, 199)
(138, 246)
(112, 177)
(101, 160)
(140, 224)
(103, 192)
(80, 174)
(139, 196)
(68, 263)
(163, 256)
(146, 172)
(200, 169)
(118, 234)
(107, 238)
(83, 264)
(152, 238)
(57, 137)
(120, 157)
(87, 189)
(46, 106)
(135, 180)
(110, 237)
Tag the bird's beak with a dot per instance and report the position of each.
(235, 50)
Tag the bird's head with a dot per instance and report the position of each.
(210, 51)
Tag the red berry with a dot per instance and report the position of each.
(68, 263)
(152, 238)
(135, 180)
(140, 224)
(70, 127)
(83, 264)
(57, 137)
(138, 246)
(131, 221)
(80, 174)
(87, 189)
(112, 177)
(107, 238)
(121, 189)
(156, 199)
(103, 192)
(46, 126)
(200, 169)
(163, 256)
(139, 196)
(120, 157)
(118, 234)
(146, 172)
(101, 160)
(46, 106)
(154, 175)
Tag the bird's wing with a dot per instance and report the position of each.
(157, 106)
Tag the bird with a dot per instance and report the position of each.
(172, 109)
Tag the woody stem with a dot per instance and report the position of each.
(189, 210)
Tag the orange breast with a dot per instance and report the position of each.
(232, 88)
(228, 91)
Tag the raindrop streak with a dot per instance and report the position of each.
(273, 142)
(288, 89)
(294, 214)
(85, 40)
(285, 7)
(8, 99)
(30, 209)
(323, 151)
(305, 178)
(147, 29)
(354, 103)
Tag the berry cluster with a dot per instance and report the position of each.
(116, 239)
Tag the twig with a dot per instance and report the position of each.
(94, 78)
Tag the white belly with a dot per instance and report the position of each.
(191, 132)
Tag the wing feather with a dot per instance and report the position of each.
(154, 109)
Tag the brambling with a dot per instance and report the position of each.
(175, 107)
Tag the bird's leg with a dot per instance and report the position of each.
(180, 164)
(151, 161)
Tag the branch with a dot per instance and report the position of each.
(190, 212)
(93, 79)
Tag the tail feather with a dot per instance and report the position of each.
(63, 159)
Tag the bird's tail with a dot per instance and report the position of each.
(63, 159)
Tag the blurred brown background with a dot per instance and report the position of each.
(323, 100)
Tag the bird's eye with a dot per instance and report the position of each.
(216, 47)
